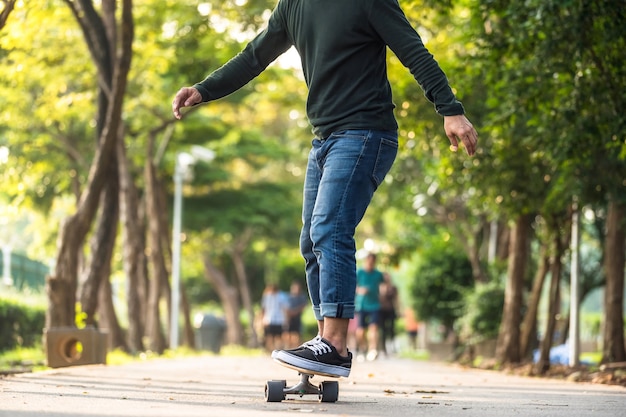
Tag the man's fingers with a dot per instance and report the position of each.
(470, 141)
(459, 129)
(454, 143)
(186, 97)
(176, 104)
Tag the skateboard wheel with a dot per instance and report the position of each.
(274, 391)
(329, 391)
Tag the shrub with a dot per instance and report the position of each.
(21, 325)
(438, 286)
(483, 311)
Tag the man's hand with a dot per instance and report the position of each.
(186, 97)
(459, 127)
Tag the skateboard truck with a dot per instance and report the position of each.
(277, 390)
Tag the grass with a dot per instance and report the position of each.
(33, 359)
(22, 360)
(591, 358)
(118, 357)
(419, 355)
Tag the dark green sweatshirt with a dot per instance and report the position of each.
(342, 45)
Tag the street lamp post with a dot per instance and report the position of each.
(574, 319)
(182, 171)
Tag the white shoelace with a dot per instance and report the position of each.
(319, 347)
(313, 341)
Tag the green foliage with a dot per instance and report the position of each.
(439, 285)
(543, 82)
(47, 106)
(23, 359)
(553, 69)
(21, 325)
(483, 311)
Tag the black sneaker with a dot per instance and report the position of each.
(316, 357)
(305, 344)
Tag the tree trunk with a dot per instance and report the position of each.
(508, 345)
(108, 318)
(504, 241)
(529, 326)
(471, 238)
(162, 236)
(155, 337)
(473, 255)
(244, 287)
(154, 331)
(103, 243)
(229, 298)
(189, 338)
(614, 261)
(134, 252)
(554, 307)
(61, 284)
(6, 11)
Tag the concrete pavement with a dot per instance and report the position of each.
(234, 386)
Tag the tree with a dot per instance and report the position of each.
(558, 248)
(237, 220)
(133, 233)
(613, 350)
(508, 347)
(543, 70)
(112, 75)
(439, 284)
(6, 10)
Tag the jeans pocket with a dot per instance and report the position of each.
(387, 151)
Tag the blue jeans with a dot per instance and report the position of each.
(343, 171)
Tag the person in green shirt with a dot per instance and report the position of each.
(342, 46)
(367, 302)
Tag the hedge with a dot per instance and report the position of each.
(21, 325)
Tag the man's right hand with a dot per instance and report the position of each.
(186, 97)
(460, 128)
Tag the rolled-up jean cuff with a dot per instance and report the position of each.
(334, 310)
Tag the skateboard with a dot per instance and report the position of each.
(326, 391)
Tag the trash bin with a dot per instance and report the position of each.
(210, 333)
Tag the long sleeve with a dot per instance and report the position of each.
(249, 63)
(392, 25)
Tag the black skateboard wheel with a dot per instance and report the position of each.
(274, 391)
(329, 391)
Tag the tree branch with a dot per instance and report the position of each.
(6, 11)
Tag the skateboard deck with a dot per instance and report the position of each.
(326, 391)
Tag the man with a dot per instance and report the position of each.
(388, 308)
(367, 303)
(274, 306)
(296, 302)
(342, 46)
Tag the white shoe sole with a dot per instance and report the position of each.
(306, 366)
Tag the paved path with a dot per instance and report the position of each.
(215, 386)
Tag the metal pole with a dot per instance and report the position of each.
(574, 315)
(176, 231)
(183, 162)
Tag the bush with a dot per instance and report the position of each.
(21, 325)
(437, 288)
(483, 312)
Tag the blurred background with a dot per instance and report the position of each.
(111, 211)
